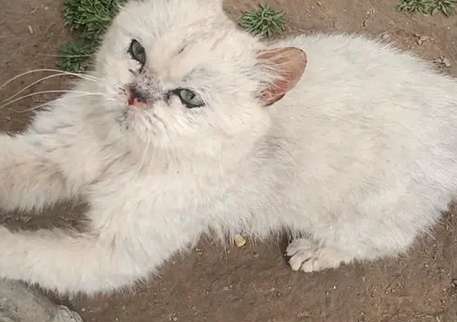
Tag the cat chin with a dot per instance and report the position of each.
(144, 126)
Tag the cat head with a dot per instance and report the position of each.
(180, 75)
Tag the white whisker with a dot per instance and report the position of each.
(41, 80)
(144, 156)
(33, 108)
(49, 103)
(44, 70)
(47, 92)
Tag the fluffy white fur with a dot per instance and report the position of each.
(359, 158)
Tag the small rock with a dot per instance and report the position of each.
(20, 303)
(421, 39)
(385, 36)
(454, 283)
(65, 315)
(446, 62)
(29, 27)
(443, 61)
(303, 315)
(240, 241)
(368, 16)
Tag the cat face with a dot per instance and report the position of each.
(181, 75)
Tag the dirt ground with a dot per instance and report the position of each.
(254, 284)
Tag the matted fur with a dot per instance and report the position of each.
(360, 156)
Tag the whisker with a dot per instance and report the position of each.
(32, 108)
(47, 104)
(144, 155)
(41, 80)
(43, 70)
(47, 92)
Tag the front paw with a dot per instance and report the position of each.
(308, 256)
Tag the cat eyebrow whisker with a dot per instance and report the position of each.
(43, 70)
(48, 92)
(41, 80)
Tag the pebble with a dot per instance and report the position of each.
(443, 61)
(385, 36)
(421, 39)
(240, 241)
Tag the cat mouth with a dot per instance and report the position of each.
(141, 118)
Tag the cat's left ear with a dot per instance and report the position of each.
(288, 64)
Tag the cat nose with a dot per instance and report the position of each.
(136, 98)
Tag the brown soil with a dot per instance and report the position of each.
(254, 283)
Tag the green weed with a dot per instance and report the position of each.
(89, 19)
(428, 7)
(264, 22)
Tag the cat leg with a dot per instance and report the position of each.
(345, 246)
(69, 262)
(308, 256)
(29, 179)
(369, 235)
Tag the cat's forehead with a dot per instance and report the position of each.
(186, 38)
(155, 17)
(180, 23)
(214, 51)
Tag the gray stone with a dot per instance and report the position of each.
(19, 303)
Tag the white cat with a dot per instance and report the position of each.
(184, 130)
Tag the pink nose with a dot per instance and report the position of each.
(136, 98)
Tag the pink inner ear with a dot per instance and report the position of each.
(289, 63)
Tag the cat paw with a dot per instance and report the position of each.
(308, 256)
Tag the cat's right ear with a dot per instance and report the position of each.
(288, 65)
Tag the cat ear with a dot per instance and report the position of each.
(289, 64)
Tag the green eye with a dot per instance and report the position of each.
(137, 52)
(189, 98)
